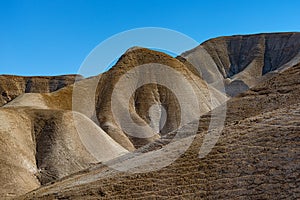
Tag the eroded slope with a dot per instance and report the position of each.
(256, 156)
(13, 86)
(39, 146)
(241, 61)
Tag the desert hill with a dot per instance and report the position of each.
(144, 97)
(59, 137)
(13, 86)
(154, 93)
(242, 60)
(256, 157)
(39, 146)
(56, 148)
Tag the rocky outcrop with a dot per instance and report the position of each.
(13, 86)
(244, 58)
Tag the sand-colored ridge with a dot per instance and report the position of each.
(60, 139)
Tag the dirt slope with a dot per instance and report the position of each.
(53, 139)
(40, 146)
(56, 146)
(256, 157)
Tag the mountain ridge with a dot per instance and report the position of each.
(229, 69)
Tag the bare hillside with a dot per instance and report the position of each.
(256, 157)
(98, 137)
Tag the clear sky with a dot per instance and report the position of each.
(49, 37)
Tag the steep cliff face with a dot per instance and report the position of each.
(12, 86)
(240, 61)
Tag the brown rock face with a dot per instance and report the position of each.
(244, 58)
(12, 86)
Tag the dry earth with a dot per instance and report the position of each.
(256, 156)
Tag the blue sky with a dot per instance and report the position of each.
(40, 37)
